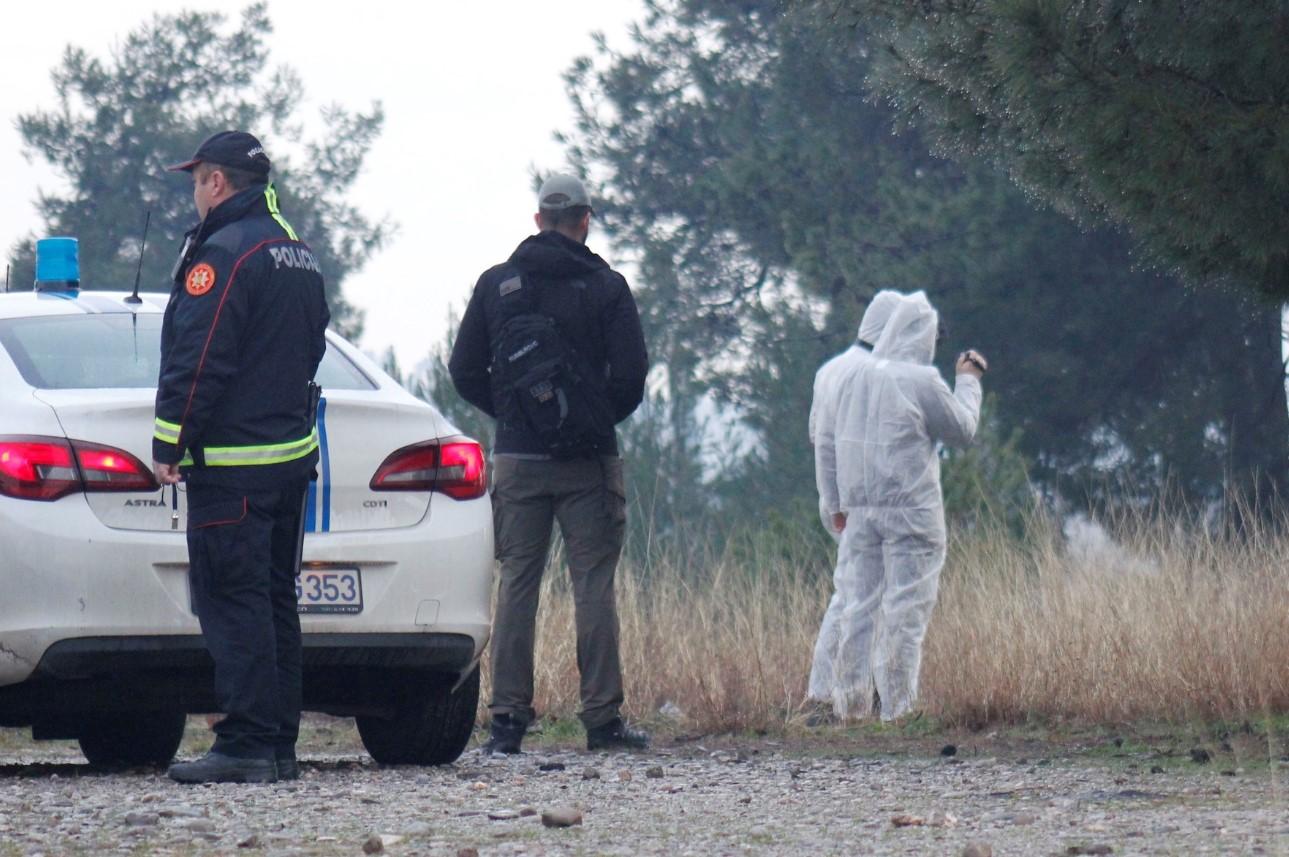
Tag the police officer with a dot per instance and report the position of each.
(579, 481)
(242, 338)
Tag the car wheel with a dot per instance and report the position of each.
(431, 730)
(128, 740)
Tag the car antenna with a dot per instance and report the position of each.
(138, 272)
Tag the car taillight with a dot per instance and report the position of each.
(47, 468)
(462, 474)
(37, 468)
(454, 466)
(106, 469)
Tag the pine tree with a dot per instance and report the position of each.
(1168, 121)
(172, 82)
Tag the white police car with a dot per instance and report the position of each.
(98, 640)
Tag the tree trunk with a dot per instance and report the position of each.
(1256, 416)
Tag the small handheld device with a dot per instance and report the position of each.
(973, 360)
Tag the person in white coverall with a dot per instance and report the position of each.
(891, 417)
(823, 409)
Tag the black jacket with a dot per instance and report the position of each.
(600, 322)
(242, 337)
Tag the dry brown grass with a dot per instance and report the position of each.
(1176, 625)
(1173, 625)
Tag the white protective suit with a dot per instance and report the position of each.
(823, 410)
(891, 417)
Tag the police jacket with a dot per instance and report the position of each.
(593, 308)
(242, 337)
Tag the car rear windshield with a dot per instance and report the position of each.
(77, 352)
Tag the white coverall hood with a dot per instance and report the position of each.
(910, 332)
(893, 413)
(877, 314)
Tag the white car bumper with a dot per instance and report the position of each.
(67, 576)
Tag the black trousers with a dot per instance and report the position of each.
(242, 554)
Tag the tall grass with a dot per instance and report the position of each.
(1168, 623)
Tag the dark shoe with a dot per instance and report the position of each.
(506, 736)
(288, 768)
(616, 735)
(218, 768)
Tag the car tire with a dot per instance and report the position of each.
(131, 740)
(433, 729)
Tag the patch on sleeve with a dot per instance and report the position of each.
(511, 285)
(201, 279)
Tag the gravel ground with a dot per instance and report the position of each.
(853, 795)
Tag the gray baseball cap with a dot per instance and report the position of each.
(561, 191)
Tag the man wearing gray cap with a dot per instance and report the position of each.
(551, 347)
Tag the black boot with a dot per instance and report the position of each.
(507, 733)
(616, 735)
(288, 768)
(218, 768)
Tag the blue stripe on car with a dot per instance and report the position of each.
(311, 509)
(325, 454)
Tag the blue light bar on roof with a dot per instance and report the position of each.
(58, 266)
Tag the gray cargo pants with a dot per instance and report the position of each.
(587, 497)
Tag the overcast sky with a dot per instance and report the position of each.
(472, 94)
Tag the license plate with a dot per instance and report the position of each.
(329, 590)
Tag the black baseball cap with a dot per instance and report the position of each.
(235, 149)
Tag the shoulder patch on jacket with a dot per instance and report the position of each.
(200, 280)
(511, 285)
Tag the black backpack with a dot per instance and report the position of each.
(539, 379)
